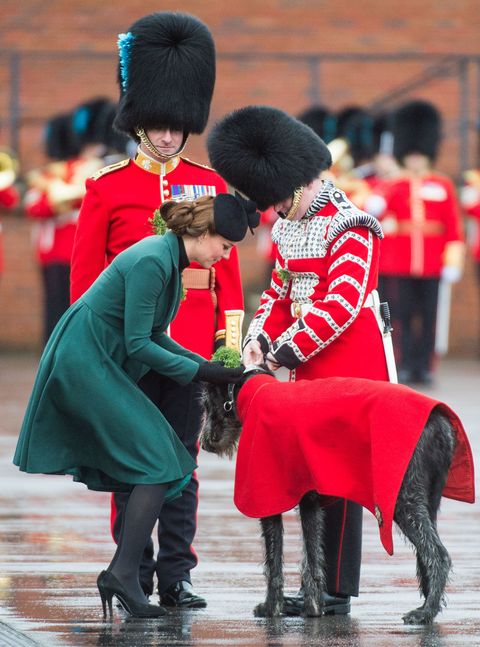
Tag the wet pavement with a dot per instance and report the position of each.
(54, 539)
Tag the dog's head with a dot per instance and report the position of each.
(221, 427)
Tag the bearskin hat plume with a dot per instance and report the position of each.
(356, 126)
(321, 121)
(92, 121)
(266, 153)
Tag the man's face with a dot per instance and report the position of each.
(416, 162)
(166, 140)
(283, 207)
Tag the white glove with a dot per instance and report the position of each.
(375, 205)
(451, 274)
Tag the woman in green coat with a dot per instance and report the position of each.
(87, 417)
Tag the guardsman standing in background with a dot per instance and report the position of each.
(53, 201)
(76, 141)
(352, 152)
(470, 198)
(423, 237)
(162, 51)
(9, 196)
(384, 165)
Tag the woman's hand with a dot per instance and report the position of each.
(217, 373)
(252, 353)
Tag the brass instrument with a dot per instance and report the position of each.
(342, 161)
(61, 192)
(8, 168)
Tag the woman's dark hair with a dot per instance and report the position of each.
(192, 217)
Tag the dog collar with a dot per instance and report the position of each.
(229, 405)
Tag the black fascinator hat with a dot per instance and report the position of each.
(234, 215)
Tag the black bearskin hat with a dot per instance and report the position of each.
(92, 121)
(321, 121)
(114, 140)
(166, 74)
(266, 154)
(416, 129)
(382, 133)
(356, 126)
(60, 140)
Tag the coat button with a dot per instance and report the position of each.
(165, 182)
(166, 192)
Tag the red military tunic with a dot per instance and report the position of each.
(313, 315)
(116, 213)
(341, 437)
(8, 200)
(470, 198)
(419, 217)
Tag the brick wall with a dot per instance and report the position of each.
(65, 53)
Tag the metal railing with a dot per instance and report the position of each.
(463, 69)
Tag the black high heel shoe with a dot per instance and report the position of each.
(109, 586)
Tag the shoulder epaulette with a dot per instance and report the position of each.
(349, 216)
(209, 168)
(109, 169)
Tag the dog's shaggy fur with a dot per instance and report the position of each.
(415, 512)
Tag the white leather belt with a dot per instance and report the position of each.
(372, 301)
(369, 302)
(301, 309)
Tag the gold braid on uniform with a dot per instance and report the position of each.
(297, 196)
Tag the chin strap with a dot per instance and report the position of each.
(297, 196)
(146, 141)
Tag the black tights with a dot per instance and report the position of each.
(142, 511)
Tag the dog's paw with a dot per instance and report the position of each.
(264, 610)
(312, 609)
(260, 611)
(418, 617)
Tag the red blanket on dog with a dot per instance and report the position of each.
(343, 437)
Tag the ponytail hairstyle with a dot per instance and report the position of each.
(191, 217)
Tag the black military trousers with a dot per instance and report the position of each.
(178, 519)
(413, 305)
(56, 295)
(343, 547)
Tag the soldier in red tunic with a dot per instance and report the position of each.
(470, 198)
(319, 318)
(77, 142)
(9, 196)
(174, 52)
(423, 236)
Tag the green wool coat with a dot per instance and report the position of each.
(86, 416)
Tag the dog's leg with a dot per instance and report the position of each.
(416, 513)
(313, 564)
(272, 532)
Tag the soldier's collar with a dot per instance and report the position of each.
(320, 200)
(154, 166)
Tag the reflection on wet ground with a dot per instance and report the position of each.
(54, 539)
